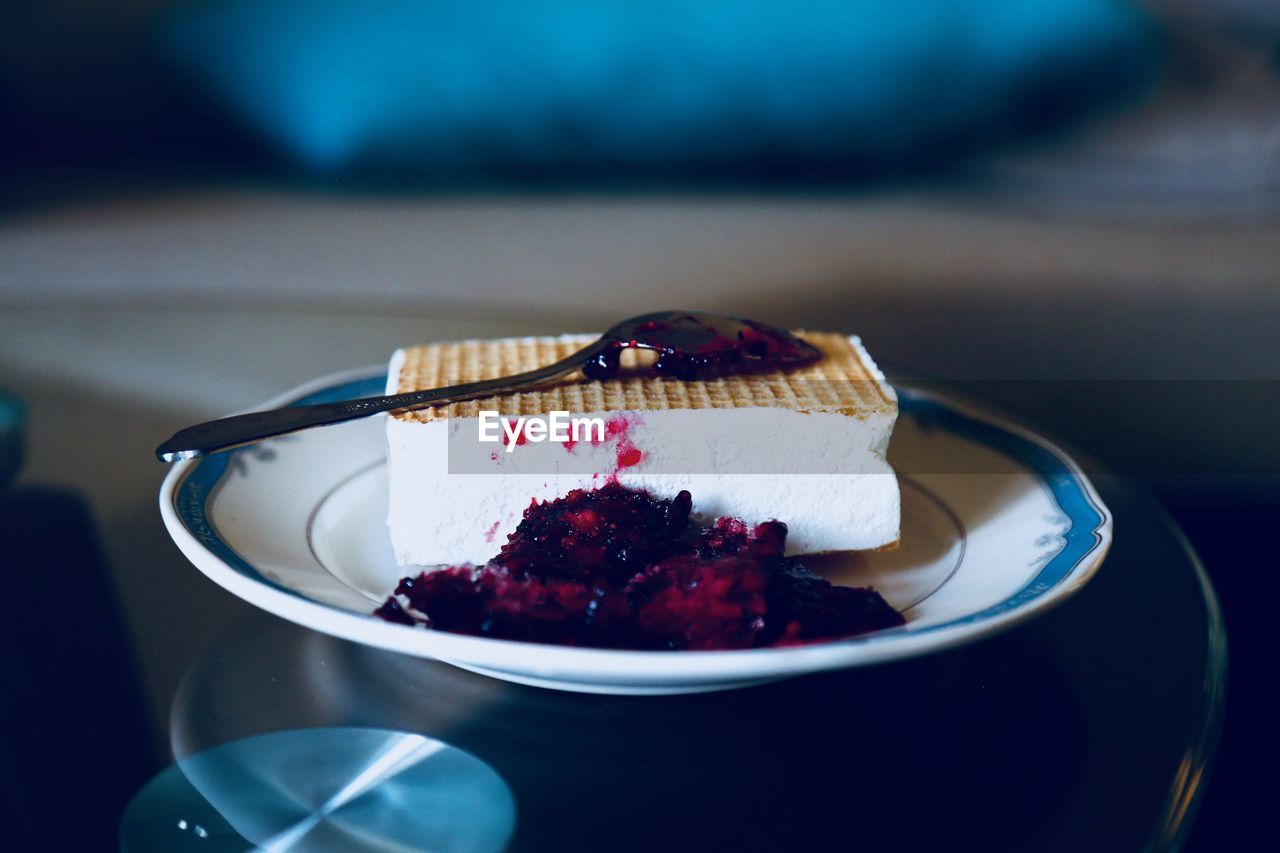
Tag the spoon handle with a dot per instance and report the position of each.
(238, 430)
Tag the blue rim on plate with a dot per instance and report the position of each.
(1069, 488)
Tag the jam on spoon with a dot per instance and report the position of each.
(690, 344)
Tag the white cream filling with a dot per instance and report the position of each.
(455, 500)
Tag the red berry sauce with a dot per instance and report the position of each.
(617, 568)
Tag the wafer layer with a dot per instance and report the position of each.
(845, 380)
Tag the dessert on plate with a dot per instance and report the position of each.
(807, 445)
(630, 532)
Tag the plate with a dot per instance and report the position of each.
(998, 524)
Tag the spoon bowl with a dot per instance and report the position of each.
(690, 343)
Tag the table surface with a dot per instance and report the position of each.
(1094, 725)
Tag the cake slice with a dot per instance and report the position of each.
(807, 445)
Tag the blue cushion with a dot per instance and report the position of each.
(617, 86)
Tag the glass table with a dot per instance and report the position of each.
(1093, 726)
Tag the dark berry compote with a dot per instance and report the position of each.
(690, 345)
(618, 568)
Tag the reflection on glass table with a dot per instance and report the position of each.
(329, 788)
(1095, 724)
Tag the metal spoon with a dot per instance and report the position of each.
(687, 342)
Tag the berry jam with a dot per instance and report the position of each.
(617, 568)
(610, 533)
(690, 345)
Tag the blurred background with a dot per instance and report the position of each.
(1070, 208)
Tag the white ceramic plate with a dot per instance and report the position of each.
(997, 525)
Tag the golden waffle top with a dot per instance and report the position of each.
(844, 380)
